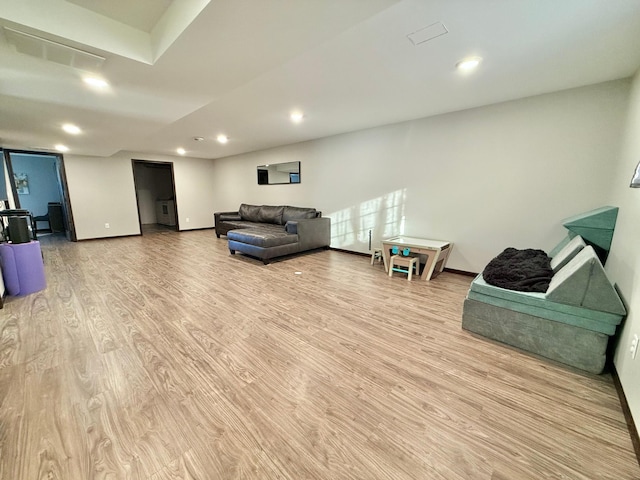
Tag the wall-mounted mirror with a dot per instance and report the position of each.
(279, 173)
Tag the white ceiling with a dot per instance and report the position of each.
(140, 14)
(203, 67)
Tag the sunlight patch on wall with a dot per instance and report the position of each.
(384, 216)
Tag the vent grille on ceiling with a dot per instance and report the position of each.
(53, 51)
(428, 33)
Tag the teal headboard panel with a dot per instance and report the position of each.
(595, 227)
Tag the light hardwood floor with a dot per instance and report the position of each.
(163, 357)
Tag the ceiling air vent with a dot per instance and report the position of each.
(53, 51)
(427, 33)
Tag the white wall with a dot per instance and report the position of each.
(43, 181)
(102, 191)
(195, 197)
(487, 178)
(623, 264)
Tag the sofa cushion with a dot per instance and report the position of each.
(291, 226)
(271, 214)
(250, 213)
(262, 237)
(297, 213)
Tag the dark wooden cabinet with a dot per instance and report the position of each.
(56, 217)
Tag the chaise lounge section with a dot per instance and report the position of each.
(268, 231)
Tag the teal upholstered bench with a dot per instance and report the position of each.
(571, 322)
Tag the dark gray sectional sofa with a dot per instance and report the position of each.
(270, 231)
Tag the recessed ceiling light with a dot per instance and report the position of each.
(95, 82)
(61, 148)
(296, 117)
(468, 64)
(72, 129)
(222, 138)
(181, 151)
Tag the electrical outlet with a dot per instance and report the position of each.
(106, 225)
(188, 220)
(634, 346)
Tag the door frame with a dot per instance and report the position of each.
(62, 175)
(134, 162)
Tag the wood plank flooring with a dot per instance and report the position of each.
(163, 357)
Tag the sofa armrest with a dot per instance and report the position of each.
(222, 216)
(229, 217)
(219, 219)
(314, 232)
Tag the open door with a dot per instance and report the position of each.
(36, 181)
(155, 196)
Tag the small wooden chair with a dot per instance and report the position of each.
(377, 254)
(403, 260)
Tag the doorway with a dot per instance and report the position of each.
(37, 182)
(155, 196)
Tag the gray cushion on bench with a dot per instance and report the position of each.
(566, 253)
(602, 325)
(575, 346)
(533, 302)
(582, 282)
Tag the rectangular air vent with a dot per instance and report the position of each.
(427, 33)
(44, 49)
